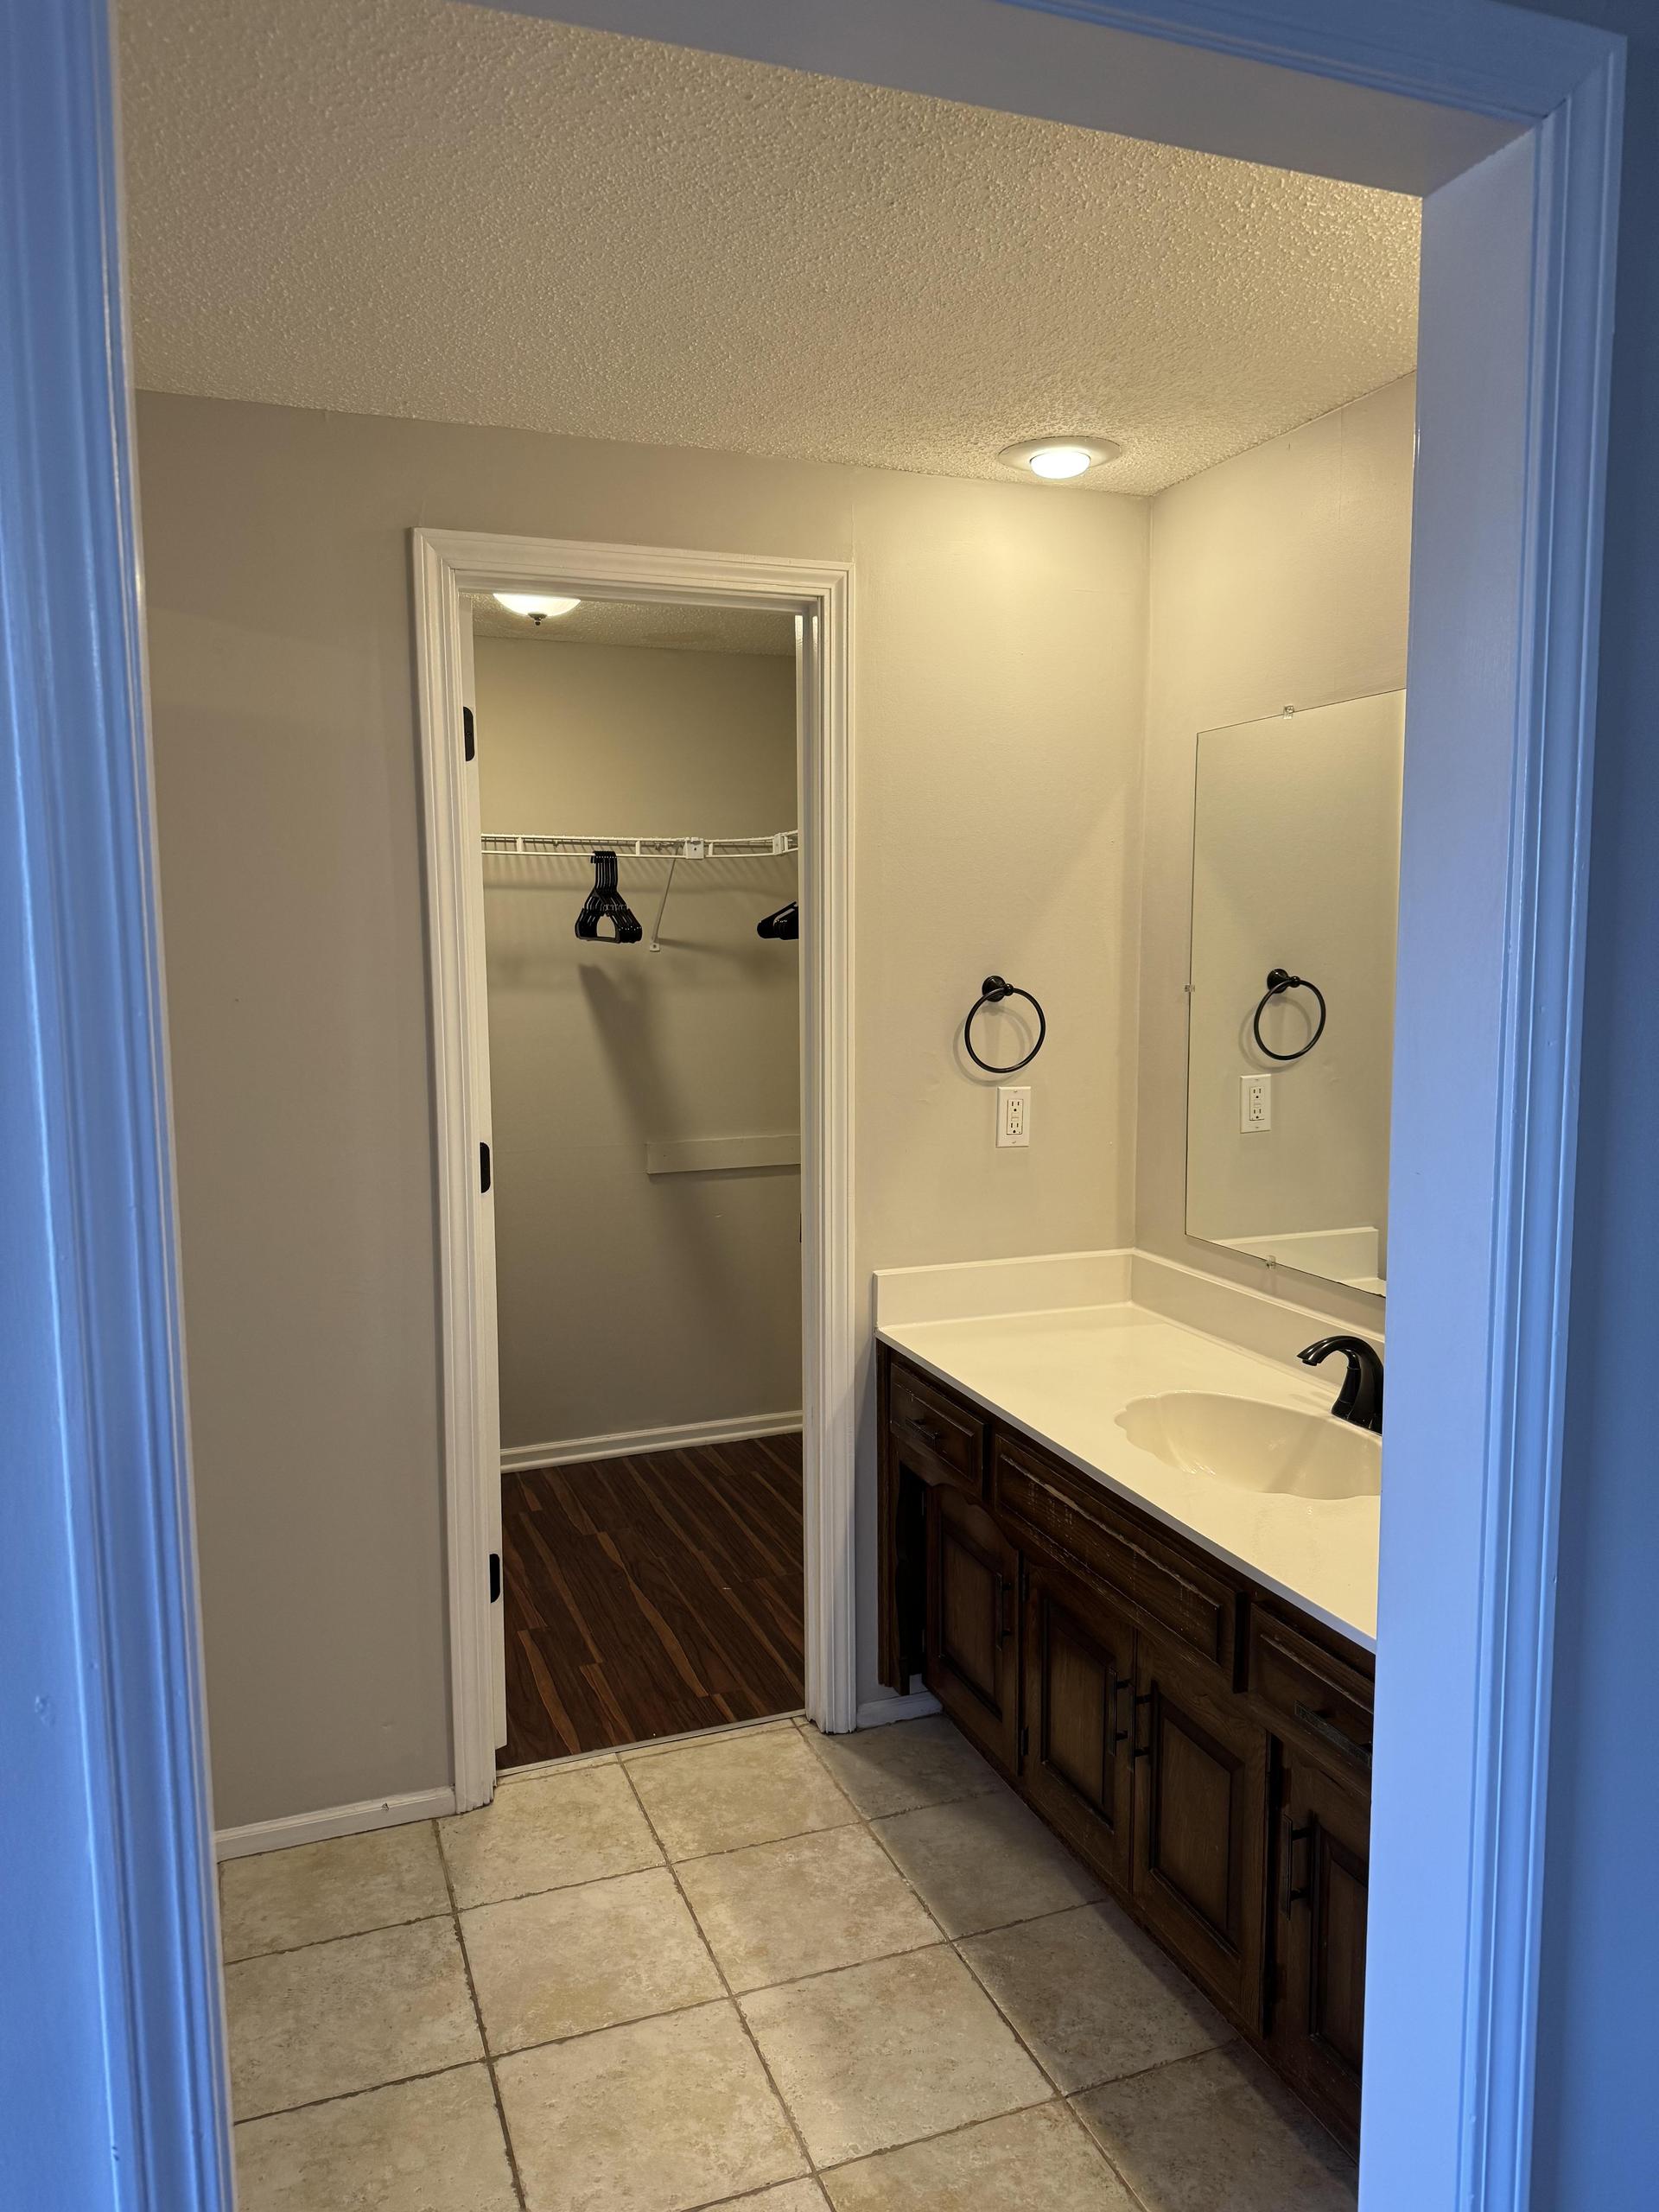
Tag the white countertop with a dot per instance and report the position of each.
(1065, 1376)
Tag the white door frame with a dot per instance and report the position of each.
(447, 564)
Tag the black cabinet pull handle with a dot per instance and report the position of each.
(1116, 1730)
(932, 1437)
(1142, 1750)
(1004, 1625)
(1289, 1892)
(1328, 1732)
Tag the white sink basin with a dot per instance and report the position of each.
(1256, 1446)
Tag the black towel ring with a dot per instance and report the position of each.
(993, 991)
(1281, 979)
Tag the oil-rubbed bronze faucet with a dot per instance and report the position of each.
(1360, 1399)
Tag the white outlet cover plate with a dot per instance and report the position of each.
(1255, 1104)
(1013, 1114)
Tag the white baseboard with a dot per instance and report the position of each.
(625, 1442)
(879, 1711)
(333, 1820)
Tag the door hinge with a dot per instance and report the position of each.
(1024, 1741)
(469, 732)
(495, 1577)
(483, 1167)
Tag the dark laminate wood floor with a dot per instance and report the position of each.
(649, 1596)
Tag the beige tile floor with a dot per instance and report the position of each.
(763, 1968)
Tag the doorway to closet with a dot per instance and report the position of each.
(639, 856)
(671, 587)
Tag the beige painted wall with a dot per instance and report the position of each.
(1278, 579)
(999, 693)
(628, 1301)
(1296, 864)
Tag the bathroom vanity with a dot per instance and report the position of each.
(1180, 1690)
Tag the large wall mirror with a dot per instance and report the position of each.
(1295, 898)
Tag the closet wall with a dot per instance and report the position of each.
(629, 1302)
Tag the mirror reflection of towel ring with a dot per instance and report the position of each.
(992, 992)
(1279, 980)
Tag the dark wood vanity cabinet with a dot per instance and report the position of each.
(972, 1639)
(1318, 2019)
(1201, 1745)
(1200, 1826)
(1077, 1767)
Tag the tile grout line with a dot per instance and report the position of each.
(693, 1858)
(938, 1942)
(944, 2134)
(995, 1787)
(1072, 2114)
(349, 2097)
(947, 1942)
(755, 2196)
(650, 1747)
(643, 1747)
(953, 1944)
(632, 2020)
(1155, 2066)
(517, 2179)
(731, 1997)
(346, 1935)
(795, 1835)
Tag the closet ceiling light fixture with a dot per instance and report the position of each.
(534, 604)
(1058, 457)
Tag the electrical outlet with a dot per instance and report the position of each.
(1254, 1103)
(1014, 1113)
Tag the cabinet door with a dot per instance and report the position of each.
(1323, 1851)
(1079, 1665)
(1200, 1827)
(971, 1627)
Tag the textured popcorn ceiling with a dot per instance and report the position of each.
(411, 207)
(637, 622)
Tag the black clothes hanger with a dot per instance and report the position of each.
(787, 922)
(607, 904)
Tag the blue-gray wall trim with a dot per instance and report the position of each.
(111, 2041)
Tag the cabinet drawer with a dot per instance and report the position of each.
(922, 1414)
(1056, 1510)
(1313, 1698)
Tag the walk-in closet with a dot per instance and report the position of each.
(639, 851)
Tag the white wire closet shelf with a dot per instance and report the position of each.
(679, 849)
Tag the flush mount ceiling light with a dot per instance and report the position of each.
(1058, 457)
(536, 604)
